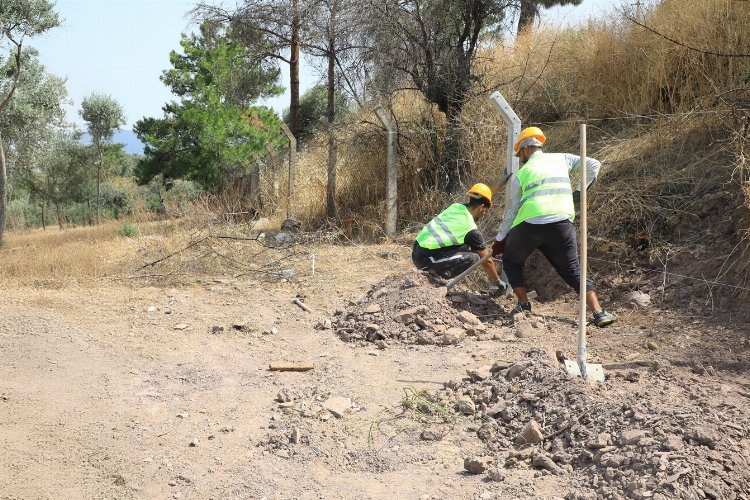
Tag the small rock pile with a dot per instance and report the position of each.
(661, 439)
(411, 308)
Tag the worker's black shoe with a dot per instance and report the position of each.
(521, 307)
(603, 318)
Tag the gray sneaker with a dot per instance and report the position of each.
(603, 318)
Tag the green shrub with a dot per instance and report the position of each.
(128, 230)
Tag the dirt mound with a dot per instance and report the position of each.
(650, 434)
(415, 308)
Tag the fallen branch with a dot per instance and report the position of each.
(290, 367)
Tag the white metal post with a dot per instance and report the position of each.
(514, 129)
(584, 261)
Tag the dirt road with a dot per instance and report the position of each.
(113, 390)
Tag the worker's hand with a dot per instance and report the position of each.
(576, 198)
(503, 288)
(498, 247)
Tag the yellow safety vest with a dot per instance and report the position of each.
(447, 229)
(545, 188)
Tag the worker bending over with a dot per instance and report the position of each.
(539, 215)
(450, 243)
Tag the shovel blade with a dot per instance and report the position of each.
(594, 372)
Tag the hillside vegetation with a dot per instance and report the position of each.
(666, 97)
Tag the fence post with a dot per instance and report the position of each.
(255, 182)
(391, 189)
(514, 129)
(292, 166)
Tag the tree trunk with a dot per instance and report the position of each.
(456, 168)
(331, 114)
(98, 184)
(527, 14)
(59, 215)
(3, 191)
(294, 105)
(44, 224)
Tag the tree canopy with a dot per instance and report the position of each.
(213, 130)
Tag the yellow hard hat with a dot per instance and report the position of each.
(530, 136)
(480, 190)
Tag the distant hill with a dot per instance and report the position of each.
(127, 137)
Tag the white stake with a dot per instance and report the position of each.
(583, 257)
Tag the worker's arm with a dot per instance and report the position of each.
(592, 168)
(489, 266)
(495, 188)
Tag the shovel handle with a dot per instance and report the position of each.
(461, 276)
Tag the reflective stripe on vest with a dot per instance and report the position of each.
(545, 188)
(447, 229)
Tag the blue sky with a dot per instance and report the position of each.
(120, 47)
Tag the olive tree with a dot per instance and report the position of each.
(103, 116)
(19, 19)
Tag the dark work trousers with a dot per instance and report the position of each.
(449, 263)
(556, 241)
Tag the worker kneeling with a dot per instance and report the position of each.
(451, 243)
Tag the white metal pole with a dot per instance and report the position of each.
(583, 257)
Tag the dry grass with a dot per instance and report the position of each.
(40, 258)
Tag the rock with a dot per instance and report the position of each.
(673, 443)
(457, 299)
(181, 326)
(475, 465)
(409, 314)
(243, 325)
(481, 373)
(151, 309)
(632, 436)
(500, 365)
(380, 344)
(217, 329)
(517, 369)
(488, 432)
(194, 442)
(326, 325)
(496, 409)
(652, 346)
(337, 405)
(704, 436)
(453, 336)
(380, 292)
(441, 292)
(425, 339)
(613, 460)
(373, 309)
(466, 406)
(284, 396)
(530, 434)
(602, 440)
(468, 318)
(496, 474)
(296, 436)
(638, 299)
(432, 433)
(372, 327)
(544, 462)
(524, 329)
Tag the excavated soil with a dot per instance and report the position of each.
(415, 307)
(653, 434)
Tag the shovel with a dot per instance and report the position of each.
(580, 368)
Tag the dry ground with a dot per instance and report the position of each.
(101, 397)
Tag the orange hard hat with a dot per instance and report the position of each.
(530, 136)
(480, 190)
